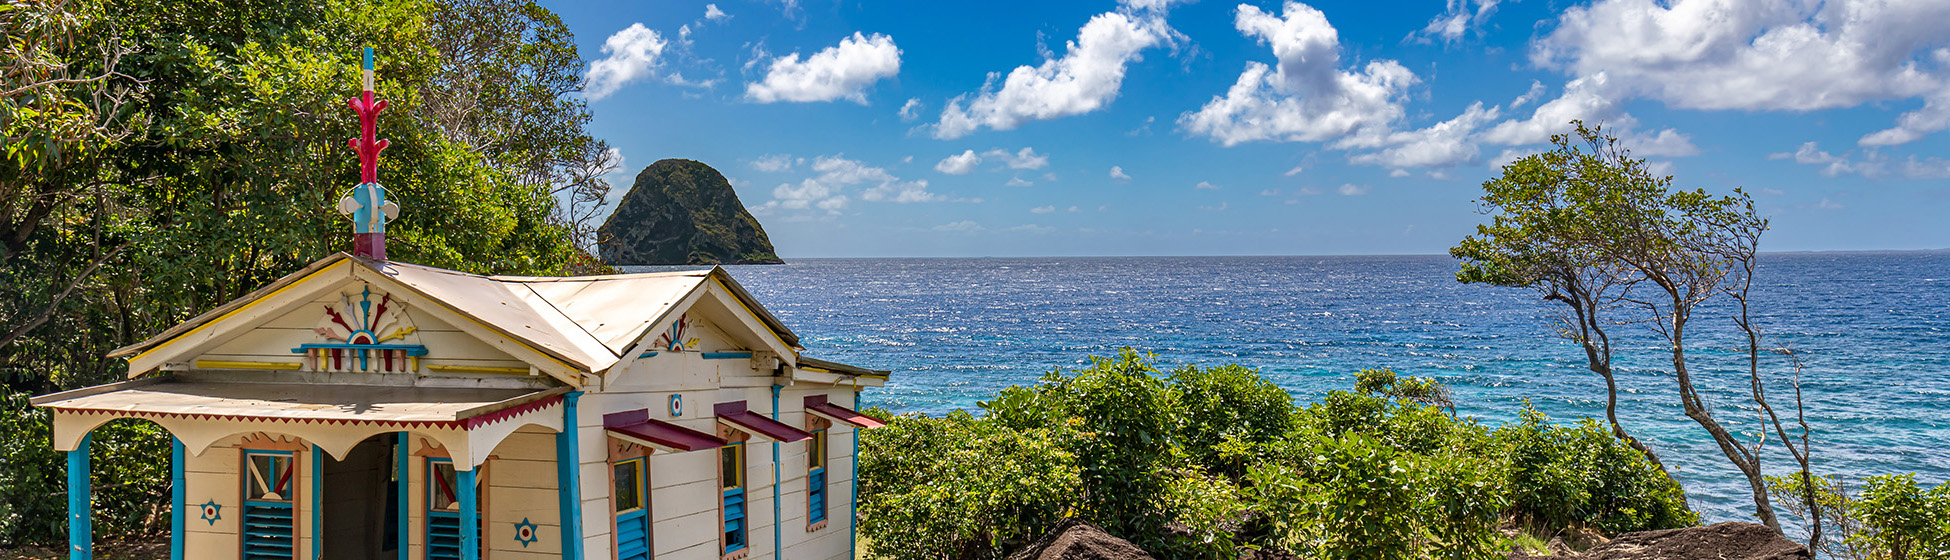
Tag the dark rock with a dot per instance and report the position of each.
(1724, 541)
(682, 212)
(1075, 539)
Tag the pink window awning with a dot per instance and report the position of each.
(817, 404)
(636, 426)
(736, 414)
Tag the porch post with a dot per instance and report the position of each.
(568, 459)
(470, 514)
(317, 499)
(404, 456)
(81, 533)
(177, 509)
(853, 491)
(778, 547)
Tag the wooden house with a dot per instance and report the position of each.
(365, 409)
(361, 409)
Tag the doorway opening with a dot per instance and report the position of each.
(360, 502)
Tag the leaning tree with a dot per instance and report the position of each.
(1596, 230)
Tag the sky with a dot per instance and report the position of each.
(1161, 127)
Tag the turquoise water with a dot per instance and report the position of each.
(1872, 328)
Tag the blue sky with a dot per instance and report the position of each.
(1158, 127)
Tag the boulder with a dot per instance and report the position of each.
(682, 212)
(1724, 541)
(1075, 539)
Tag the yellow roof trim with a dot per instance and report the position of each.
(254, 301)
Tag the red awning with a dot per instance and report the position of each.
(735, 414)
(817, 404)
(636, 426)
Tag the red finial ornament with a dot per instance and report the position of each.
(367, 204)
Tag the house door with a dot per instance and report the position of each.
(358, 498)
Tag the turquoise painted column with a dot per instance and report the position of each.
(778, 545)
(317, 499)
(853, 492)
(81, 523)
(568, 459)
(177, 508)
(404, 457)
(470, 515)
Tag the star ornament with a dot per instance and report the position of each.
(212, 511)
(525, 532)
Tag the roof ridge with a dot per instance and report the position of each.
(571, 320)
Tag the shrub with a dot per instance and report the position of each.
(1224, 413)
(1115, 417)
(129, 468)
(1901, 520)
(1565, 475)
(960, 488)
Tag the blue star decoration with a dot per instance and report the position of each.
(212, 511)
(525, 532)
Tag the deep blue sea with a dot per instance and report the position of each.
(1872, 328)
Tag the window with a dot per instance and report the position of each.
(732, 460)
(816, 478)
(270, 477)
(627, 481)
(443, 509)
(269, 486)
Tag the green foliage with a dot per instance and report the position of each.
(1224, 413)
(169, 156)
(960, 488)
(1382, 382)
(131, 487)
(1564, 475)
(1115, 416)
(1901, 520)
(1209, 463)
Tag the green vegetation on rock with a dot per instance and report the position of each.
(683, 212)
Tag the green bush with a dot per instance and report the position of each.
(1224, 412)
(960, 488)
(129, 467)
(1208, 463)
(1565, 475)
(1900, 520)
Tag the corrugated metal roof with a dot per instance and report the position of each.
(588, 322)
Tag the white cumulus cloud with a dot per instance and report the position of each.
(1307, 97)
(959, 164)
(630, 55)
(911, 110)
(1117, 172)
(712, 13)
(1764, 56)
(1459, 18)
(1205, 186)
(843, 71)
(1351, 189)
(1086, 78)
(1026, 158)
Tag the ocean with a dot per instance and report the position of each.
(1871, 328)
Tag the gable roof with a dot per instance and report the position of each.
(589, 322)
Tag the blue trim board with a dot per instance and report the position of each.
(470, 514)
(411, 349)
(853, 492)
(567, 461)
(732, 356)
(81, 526)
(778, 543)
(317, 504)
(178, 510)
(403, 455)
(649, 354)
